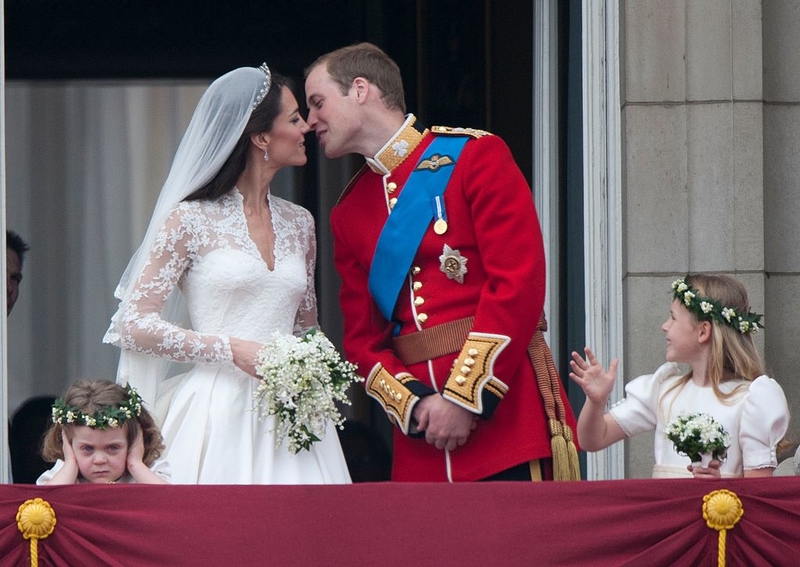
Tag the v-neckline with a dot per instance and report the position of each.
(272, 228)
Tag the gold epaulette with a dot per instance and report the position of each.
(352, 182)
(450, 131)
(472, 382)
(393, 394)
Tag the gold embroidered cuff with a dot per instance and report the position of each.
(472, 384)
(393, 393)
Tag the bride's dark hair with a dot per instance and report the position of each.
(261, 120)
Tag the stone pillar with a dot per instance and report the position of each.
(781, 177)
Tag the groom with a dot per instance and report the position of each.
(443, 277)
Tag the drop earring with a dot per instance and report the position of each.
(266, 154)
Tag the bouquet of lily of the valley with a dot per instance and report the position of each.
(698, 434)
(302, 378)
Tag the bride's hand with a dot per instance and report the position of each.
(245, 354)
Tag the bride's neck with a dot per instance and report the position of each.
(254, 189)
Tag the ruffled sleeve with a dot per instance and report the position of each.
(765, 420)
(48, 475)
(638, 410)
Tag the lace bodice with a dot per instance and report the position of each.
(205, 250)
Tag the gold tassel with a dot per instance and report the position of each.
(572, 451)
(565, 454)
(558, 446)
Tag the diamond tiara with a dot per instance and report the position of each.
(267, 83)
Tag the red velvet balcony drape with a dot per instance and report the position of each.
(633, 522)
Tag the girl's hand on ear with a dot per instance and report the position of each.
(140, 472)
(66, 448)
(589, 374)
(68, 474)
(136, 451)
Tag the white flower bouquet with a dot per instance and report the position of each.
(698, 434)
(302, 378)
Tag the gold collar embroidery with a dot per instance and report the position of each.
(400, 146)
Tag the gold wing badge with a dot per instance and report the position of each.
(434, 162)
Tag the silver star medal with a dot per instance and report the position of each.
(453, 264)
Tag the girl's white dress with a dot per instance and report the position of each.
(212, 434)
(756, 418)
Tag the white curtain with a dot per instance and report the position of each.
(85, 162)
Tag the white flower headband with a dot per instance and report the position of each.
(108, 416)
(706, 309)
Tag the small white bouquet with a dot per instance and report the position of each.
(301, 379)
(699, 434)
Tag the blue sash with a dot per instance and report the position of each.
(409, 219)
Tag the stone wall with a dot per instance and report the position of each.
(711, 130)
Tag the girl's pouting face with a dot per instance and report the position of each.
(101, 453)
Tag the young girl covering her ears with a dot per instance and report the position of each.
(101, 433)
(710, 328)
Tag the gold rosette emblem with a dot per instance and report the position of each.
(453, 264)
(722, 509)
(36, 519)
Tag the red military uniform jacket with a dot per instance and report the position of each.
(489, 264)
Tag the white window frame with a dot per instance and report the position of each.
(5, 462)
(602, 185)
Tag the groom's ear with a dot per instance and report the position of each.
(361, 88)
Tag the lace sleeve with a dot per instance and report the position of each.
(142, 328)
(306, 317)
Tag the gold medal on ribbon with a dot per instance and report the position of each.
(440, 225)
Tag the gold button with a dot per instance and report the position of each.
(417, 286)
(472, 352)
(460, 380)
(398, 397)
(418, 301)
(392, 202)
(391, 187)
(422, 317)
(415, 270)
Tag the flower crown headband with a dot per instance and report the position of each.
(267, 84)
(108, 416)
(706, 308)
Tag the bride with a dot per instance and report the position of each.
(238, 263)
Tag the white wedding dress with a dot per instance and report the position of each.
(212, 433)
